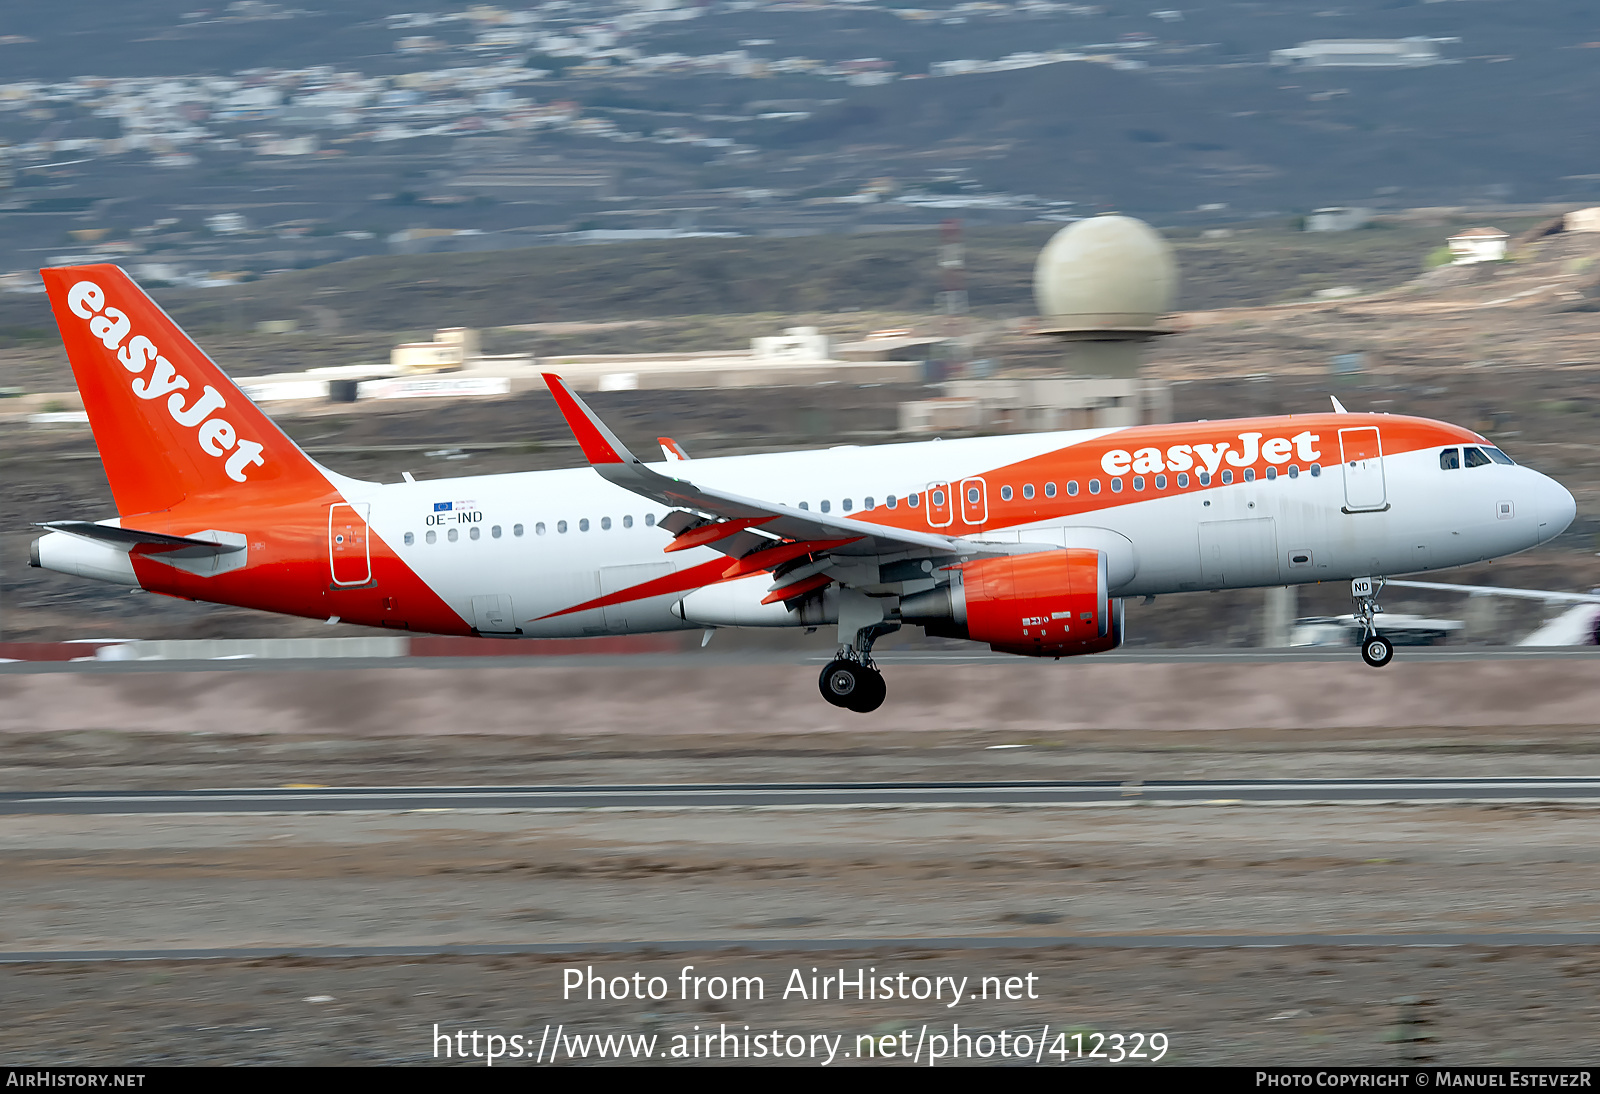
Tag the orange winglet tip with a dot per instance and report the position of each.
(592, 437)
(671, 449)
(799, 588)
(711, 533)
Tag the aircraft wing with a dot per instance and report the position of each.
(152, 543)
(1546, 595)
(750, 523)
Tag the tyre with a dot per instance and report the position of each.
(1377, 651)
(841, 682)
(870, 693)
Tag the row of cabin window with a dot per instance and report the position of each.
(937, 497)
(1202, 477)
(1182, 482)
(474, 532)
(914, 500)
(890, 502)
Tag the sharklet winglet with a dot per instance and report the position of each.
(599, 444)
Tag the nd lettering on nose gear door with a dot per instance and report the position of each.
(349, 554)
(1361, 457)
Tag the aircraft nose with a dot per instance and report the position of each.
(1557, 509)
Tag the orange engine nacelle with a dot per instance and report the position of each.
(1049, 604)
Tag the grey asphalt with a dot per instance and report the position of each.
(400, 799)
(712, 658)
(811, 945)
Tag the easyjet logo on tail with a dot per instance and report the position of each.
(216, 436)
(1182, 457)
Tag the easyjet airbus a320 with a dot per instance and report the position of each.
(1026, 543)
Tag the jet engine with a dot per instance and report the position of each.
(1047, 604)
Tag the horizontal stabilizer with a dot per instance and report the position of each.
(153, 543)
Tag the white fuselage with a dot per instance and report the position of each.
(551, 540)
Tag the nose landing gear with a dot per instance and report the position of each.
(1376, 650)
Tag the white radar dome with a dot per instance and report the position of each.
(1105, 277)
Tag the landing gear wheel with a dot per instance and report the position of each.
(852, 685)
(1377, 651)
(840, 681)
(869, 697)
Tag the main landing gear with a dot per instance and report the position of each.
(1376, 650)
(851, 680)
(854, 685)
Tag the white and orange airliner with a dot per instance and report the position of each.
(1027, 543)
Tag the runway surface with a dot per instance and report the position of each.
(713, 659)
(784, 945)
(309, 799)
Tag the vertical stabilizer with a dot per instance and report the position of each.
(169, 423)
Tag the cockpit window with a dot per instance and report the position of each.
(1475, 457)
(1450, 459)
(1500, 457)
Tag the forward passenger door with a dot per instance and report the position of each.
(1361, 457)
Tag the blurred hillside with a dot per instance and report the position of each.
(358, 308)
(333, 133)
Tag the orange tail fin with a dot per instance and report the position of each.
(169, 423)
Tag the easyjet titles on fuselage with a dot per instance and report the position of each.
(216, 436)
(1209, 457)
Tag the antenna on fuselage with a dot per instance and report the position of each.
(1338, 407)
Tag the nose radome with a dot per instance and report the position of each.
(1557, 509)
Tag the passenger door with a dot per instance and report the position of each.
(1361, 456)
(349, 552)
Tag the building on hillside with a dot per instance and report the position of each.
(1360, 53)
(1583, 220)
(227, 224)
(890, 345)
(1039, 405)
(1338, 219)
(794, 344)
(451, 348)
(1478, 245)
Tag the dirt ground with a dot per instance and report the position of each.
(476, 877)
(1011, 701)
(1303, 1005)
(100, 759)
(719, 879)
(774, 875)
